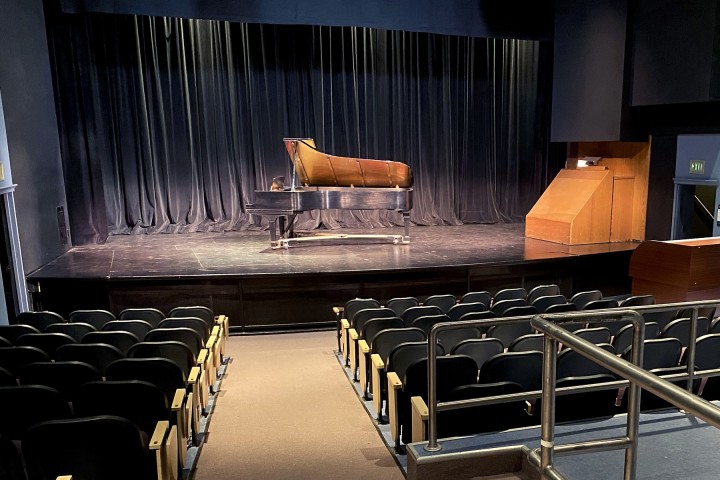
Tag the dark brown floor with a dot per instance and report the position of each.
(247, 254)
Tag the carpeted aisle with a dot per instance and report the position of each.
(287, 411)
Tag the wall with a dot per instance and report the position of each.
(33, 143)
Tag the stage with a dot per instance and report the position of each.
(238, 274)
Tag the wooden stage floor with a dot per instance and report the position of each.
(239, 274)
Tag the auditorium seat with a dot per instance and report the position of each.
(139, 328)
(623, 338)
(344, 316)
(12, 332)
(89, 448)
(480, 350)
(532, 342)
(477, 297)
(426, 323)
(371, 329)
(151, 315)
(452, 371)
(461, 309)
(478, 316)
(99, 355)
(499, 308)
(510, 294)
(47, 342)
(413, 313)
(187, 336)
(204, 313)
(7, 379)
(661, 318)
(581, 299)
(601, 304)
(542, 291)
(450, 338)
(637, 300)
(39, 320)
(13, 359)
(572, 364)
(680, 329)
(75, 330)
(218, 326)
(575, 407)
(95, 317)
(120, 340)
(561, 308)
(542, 303)
(594, 335)
(524, 368)
(352, 334)
(520, 311)
(11, 463)
(658, 353)
(65, 377)
(443, 302)
(707, 357)
(383, 344)
(27, 405)
(400, 304)
(193, 323)
(508, 332)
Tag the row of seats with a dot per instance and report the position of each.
(144, 373)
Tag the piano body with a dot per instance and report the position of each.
(321, 182)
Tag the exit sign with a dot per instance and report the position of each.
(697, 167)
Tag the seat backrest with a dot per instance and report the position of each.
(623, 338)
(5, 343)
(500, 307)
(580, 299)
(426, 323)
(571, 364)
(461, 309)
(96, 317)
(637, 300)
(120, 340)
(680, 329)
(198, 311)
(452, 371)
(443, 302)
(99, 355)
(197, 324)
(545, 301)
(143, 403)
(594, 335)
(377, 325)
(520, 311)
(151, 315)
(87, 448)
(601, 304)
(658, 353)
(12, 332)
(7, 379)
(47, 342)
(139, 328)
(707, 352)
(65, 377)
(450, 338)
(480, 350)
(400, 304)
(532, 342)
(186, 336)
(161, 372)
(358, 320)
(412, 313)
(75, 330)
(11, 464)
(39, 320)
(356, 304)
(542, 291)
(177, 352)
(477, 297)
(562, 307)
(524, 368)
(611, 324)
(478, 316)
(586, 405)
(405, 354)
(507, 333)
(13, 359)
(661, 318)
(27, 405)
(510, 294)
(385, 341)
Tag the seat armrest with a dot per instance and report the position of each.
(364, 366)
(338, 310)
(353, 335)
(394, 387)
(164, 443)
(64, 477)
(419, 419)
(344, 327)
(194, 375)
(378, 369)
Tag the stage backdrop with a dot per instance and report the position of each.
(169, 125)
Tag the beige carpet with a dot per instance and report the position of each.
(287, 411)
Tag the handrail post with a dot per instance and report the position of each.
(547, 426)
(691, 348)
(432, 445)
(633, 415)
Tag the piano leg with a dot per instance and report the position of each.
(406, 222)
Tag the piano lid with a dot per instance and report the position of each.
(314, 168)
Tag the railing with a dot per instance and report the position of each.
(633, 314)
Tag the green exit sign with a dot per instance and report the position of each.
(697, 167)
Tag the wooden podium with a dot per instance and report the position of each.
(677, 271)
(576, 208)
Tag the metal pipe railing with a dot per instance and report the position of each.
(570, 317)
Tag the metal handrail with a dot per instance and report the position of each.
(569, 317)
(638, 377)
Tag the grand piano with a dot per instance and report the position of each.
(321, 181)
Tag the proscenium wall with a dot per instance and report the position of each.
(29, 108)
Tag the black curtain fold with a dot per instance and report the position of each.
(170, 125)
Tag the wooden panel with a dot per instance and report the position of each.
(622, 220)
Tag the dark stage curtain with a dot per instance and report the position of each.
(169, 125)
